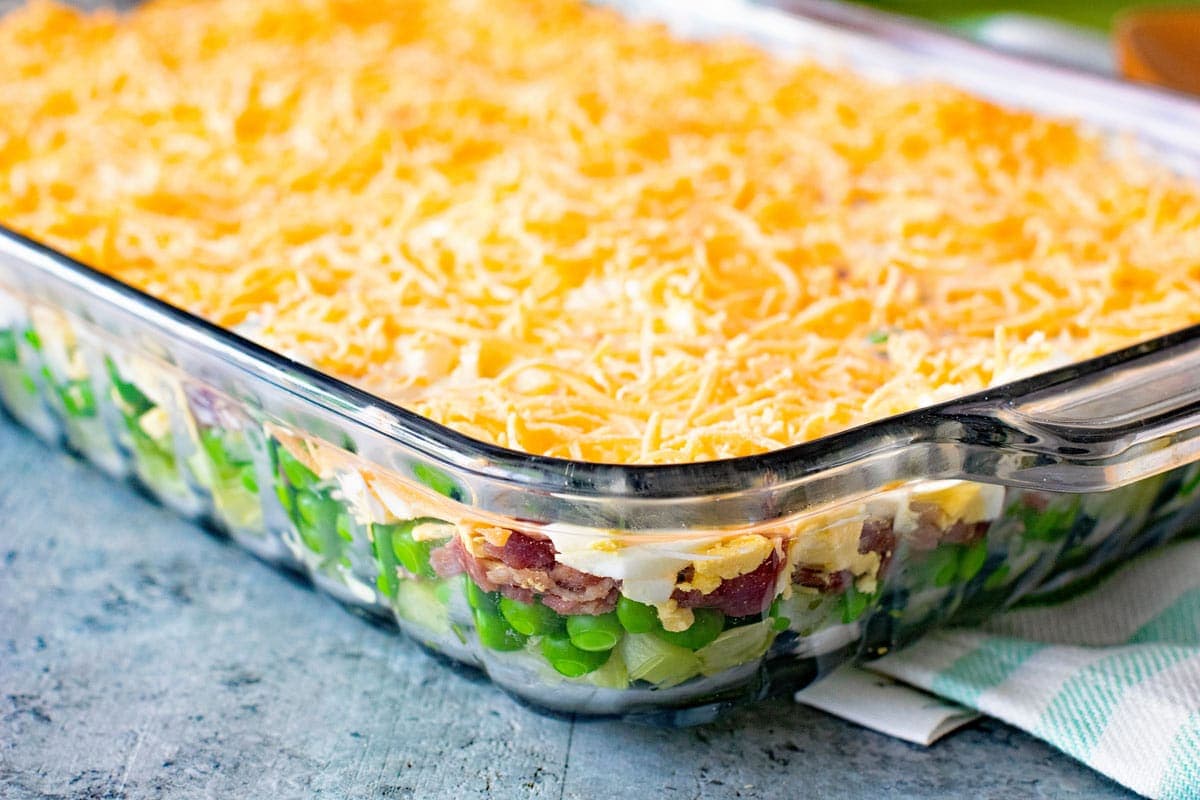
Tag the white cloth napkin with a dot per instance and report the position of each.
(1110, 677)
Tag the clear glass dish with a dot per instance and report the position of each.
(539, 571)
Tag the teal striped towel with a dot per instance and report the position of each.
(1111, 677)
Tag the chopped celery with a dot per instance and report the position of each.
(611, 675)
(156, 457)
(230, 471)
(419, 603)
(649, 658)
(240, 509)
(735, 647)
(236, 504)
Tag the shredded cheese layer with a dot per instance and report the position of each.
(564, 233)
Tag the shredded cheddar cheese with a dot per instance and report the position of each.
(568, 234)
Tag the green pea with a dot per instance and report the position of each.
(413, 555)
(495, 633)
(285, 498)
(8, 346)
(344, 529)
(637, 617)
(595, 633)
(248, 479)
(480, 600)
(1186, 489)
(297, 474)
(210, 440)
(778, 623)
(1051, 524)
(381, 547)
(570, 660)
(972, 560)
(943, 565)
(438, 480)
(854, 603)
(706, 627)
(136, 402)
(531, 619)
(997, 578)
(78, 399)
(317, 510)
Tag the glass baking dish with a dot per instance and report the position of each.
(540, 571)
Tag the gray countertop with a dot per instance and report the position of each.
(140, 657)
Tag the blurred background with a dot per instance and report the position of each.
(1151, 42)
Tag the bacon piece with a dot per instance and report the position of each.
(561, 588)
(526, 552)
(822, 581)
(742, 596)
(964, 533)
(878, 537)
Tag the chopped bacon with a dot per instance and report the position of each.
(526, 552)
(930, 532)
(821, 580)
(964, 533)
(742, 596)
(562, 588)
(878, 537)
(447, 560)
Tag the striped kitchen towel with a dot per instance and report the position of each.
(1111, 677)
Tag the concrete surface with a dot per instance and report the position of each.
(141, 657)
